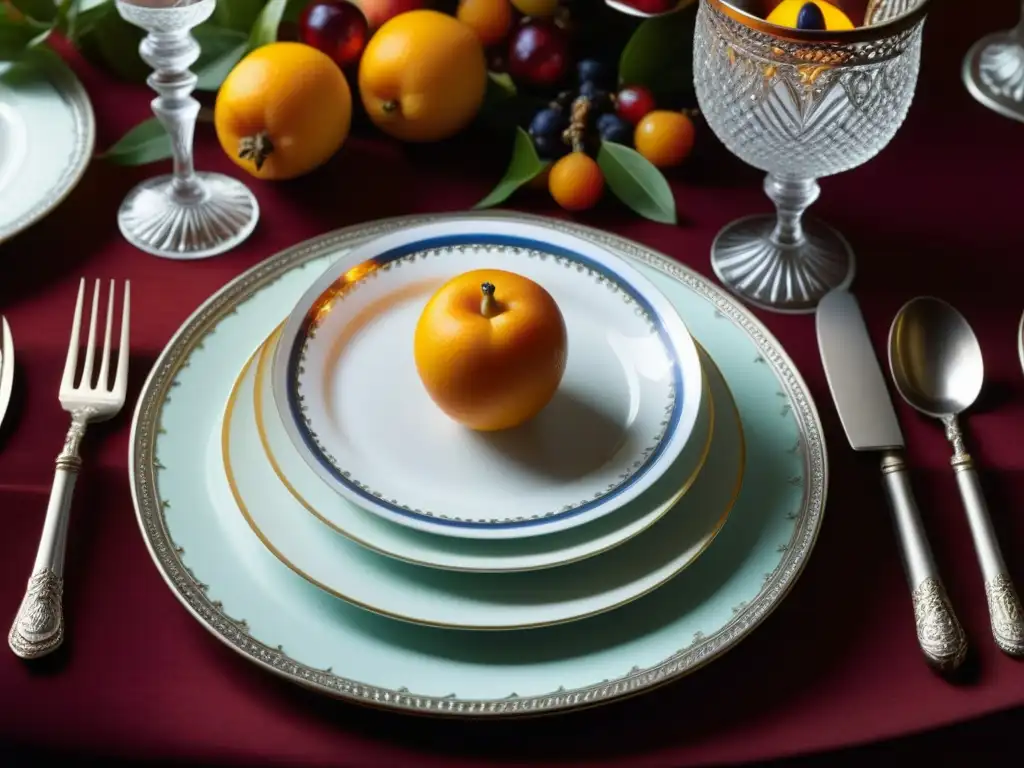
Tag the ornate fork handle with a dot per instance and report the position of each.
(38, 627)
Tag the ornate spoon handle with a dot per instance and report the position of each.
(38, 627)
(1004, 608)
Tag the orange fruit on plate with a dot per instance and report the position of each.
(664, 138)
(491, 348)
(423, 76)
(283, 110)
(490, 19)
(576, 182)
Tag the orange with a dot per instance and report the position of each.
(786, 12)
(490, 349)
(576, 182)
(490, 19)
(664, 138)
(283, 110)
(423, 76)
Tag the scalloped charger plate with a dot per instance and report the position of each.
(345, 382)
(237, 590)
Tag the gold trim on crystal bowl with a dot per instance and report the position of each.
(871, 33)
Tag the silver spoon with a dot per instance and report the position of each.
(937, 366)
(993, 70)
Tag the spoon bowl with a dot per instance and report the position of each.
(935, 357)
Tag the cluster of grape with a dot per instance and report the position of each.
(580, 119)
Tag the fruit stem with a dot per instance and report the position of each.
(488, 304)
(389, 106)
(256, 148)
(575, 135)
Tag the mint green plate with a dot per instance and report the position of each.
(216, 565)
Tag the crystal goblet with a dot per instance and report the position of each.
(185, 214)
(993, 70)
(800, 105)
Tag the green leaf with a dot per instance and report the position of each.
(659, 56)
(15, 37)
(147, 142)
(637, 183)
(264, 30)
(40, 10)
(236, 15)
(222, 49)
(524, 166)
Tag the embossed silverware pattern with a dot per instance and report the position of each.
(38, 627)
(6, 366)
(869, 420)
(936, 364)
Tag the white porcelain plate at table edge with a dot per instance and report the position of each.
(247, 599)
(478, 601)
(345, 382)
(461, 554)
(47, 134)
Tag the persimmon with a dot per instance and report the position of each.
(284, 110)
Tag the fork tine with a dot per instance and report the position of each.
(90, 348)
(71, 362)
(121, 379)
(103, 381)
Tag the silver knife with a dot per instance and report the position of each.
(869, 419)
(6, 366)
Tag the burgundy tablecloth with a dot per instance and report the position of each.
(937, 212)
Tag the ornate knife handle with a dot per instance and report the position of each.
(38, 627)
(1004, 608)
(938, 630)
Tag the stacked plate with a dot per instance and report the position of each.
(313, 507)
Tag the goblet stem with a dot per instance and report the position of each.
(187, 214)
(171, 55)
(783, 263)
(791, 197)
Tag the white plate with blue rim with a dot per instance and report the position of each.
(47, 133)
(478, 601)
(461, 554)
(345, 383)
(238, 591)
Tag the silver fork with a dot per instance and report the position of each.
(38, 627)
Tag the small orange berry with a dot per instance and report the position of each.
(664, 138)
(576, 182)
(490, 19)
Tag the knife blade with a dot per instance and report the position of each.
(6, 366)
(866, 412)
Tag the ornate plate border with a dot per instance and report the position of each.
(234, 633)
(73, 93)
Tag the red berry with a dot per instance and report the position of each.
(538, 54)
(633, 103)
(653, 6)
(336, 27)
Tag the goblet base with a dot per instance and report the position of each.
(780, 277)
(218, 215)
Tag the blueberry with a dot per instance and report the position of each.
(593, 71)
(614, 128)
(549, 147)
(810, 17)
(548, 123)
